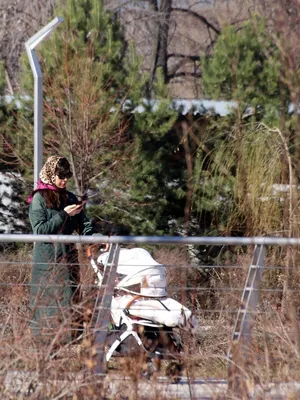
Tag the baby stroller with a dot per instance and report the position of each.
(143, 317)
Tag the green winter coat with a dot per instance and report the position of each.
(55, 271)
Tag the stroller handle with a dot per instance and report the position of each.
(89, 249)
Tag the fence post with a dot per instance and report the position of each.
(103, 308)
(240, 381)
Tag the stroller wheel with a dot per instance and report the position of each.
(173, 371)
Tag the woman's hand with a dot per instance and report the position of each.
(73, 209)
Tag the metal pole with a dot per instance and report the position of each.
(38, 119)
(38, 92)
(250, 298)
(103, 308)
(240, 354)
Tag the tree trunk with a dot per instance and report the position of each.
(160, 41)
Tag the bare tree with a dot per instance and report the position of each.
(20, 19)
(174, 34)
(170, 34)
(160, 42)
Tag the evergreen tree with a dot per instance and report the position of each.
(157, 178)
(245, 68)
(88, 76)
(92, 86)
(247, 159)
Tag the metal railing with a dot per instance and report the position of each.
(192, 240)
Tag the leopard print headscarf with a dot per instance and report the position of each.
(47, 174)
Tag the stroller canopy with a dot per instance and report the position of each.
(138, 267)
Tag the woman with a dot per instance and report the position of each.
(54, 290)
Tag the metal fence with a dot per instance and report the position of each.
(242, 316)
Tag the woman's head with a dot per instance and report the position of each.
(56, 171)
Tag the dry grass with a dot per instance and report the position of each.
(66, 372)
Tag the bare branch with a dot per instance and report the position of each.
(185, 74)
(199, 17)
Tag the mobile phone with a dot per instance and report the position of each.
(83, 200)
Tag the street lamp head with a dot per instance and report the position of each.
(43, 33)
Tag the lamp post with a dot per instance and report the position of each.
(38, 91)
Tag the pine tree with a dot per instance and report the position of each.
(89, 76)
(245, 68)
(246, 158)
(156, 177)
(92, 87)
(148, 195)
